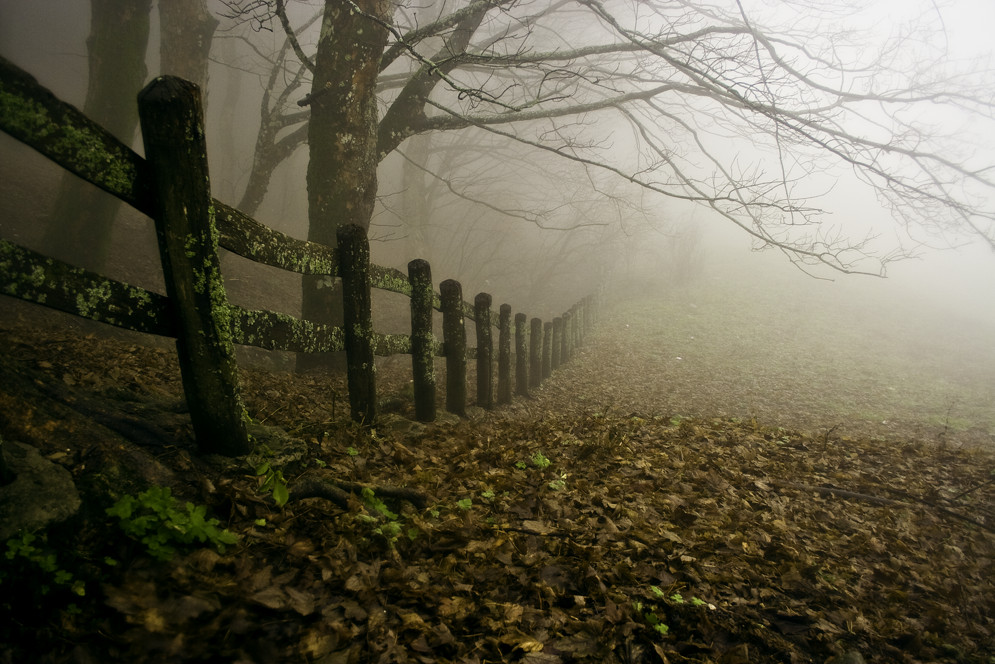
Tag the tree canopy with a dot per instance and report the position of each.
(741, 107)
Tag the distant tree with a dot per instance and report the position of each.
(722, 104)
(83, 217)
(186, 34)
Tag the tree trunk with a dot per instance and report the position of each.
(187, 30)
(82, 222)
(342, 134)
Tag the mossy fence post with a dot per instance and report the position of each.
(504, 355)
(454, 340)
(485, 350)
(357, 321)
(566, 350)
(521, 357)
(535, 354)
(422, 351)
(547, 351)
(172, 122)
(557, 343)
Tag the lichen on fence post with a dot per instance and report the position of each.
(173, 132)
(547, 351)
(485, 350)
(422, 351)
(557, 342)
(535, 354)
(579, 312)
(566, 349)
(357, 321)
(521, 357)
(504, 355)
(454, 338)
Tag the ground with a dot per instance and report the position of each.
(631, 510)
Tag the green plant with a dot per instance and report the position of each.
(383, 522)
(26, 557)
(650, 617)
(540, 461)
(465, 504)
(273, 482)
(559, 484)
(157, 520)
(374, 504)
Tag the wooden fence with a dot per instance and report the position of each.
(171, 185)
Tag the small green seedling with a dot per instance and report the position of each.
(273, 482)
(540, 461)
(23, 552)
(157, 520)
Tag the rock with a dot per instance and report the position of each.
(41, 494)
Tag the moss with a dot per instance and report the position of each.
(79, 147)
(391, 344)
(92, 299)
(389, 279)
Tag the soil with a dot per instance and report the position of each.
(590, 522)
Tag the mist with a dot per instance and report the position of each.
(744, 413)
(481, 218)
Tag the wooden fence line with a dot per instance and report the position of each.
(172, 187)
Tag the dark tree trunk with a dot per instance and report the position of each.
(187, 31)
(342, 134)
(82, 222)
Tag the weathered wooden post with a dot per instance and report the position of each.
(535, 357)
(565, 349)
(454, 338)
(422, 352)
(172, 120)
(578, 324)
(547, 351)
(521, 357)
(504, 355)
(485, 350)
(557, 342)
(357, 321)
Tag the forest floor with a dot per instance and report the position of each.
(655, 501)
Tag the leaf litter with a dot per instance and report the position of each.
(564, 528)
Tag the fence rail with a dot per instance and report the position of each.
(171, 185)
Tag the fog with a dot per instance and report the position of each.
(527, 227)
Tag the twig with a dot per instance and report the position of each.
(878, 500)
(339, 492)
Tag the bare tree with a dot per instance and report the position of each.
(719, 104)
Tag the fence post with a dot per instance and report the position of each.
(535, 358)
(504, 355)
(547, 351)
(565, 349)
(521, 357)
(172, 120)
(422, 352)
(557, 342)
(485, 350)
(580, 313)
(357, 321)
(454, 337)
